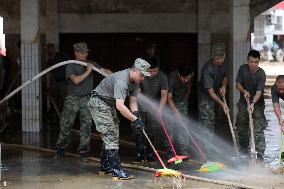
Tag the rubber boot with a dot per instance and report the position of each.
(114, 162)
(139, 149)
(104, 164)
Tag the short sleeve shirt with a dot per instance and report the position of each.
(211, 77)
(275, 96)
(117, 86)
(83, 88)
(176, 87)
(152, 86)
(252, 82)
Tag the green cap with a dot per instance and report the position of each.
(142, 66)
(81, 47)
(218, 50)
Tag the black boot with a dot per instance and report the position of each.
(104, 164)
(139, 149)
(114, 162)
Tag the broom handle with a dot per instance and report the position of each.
(280, 150)
(231, 128)
(251, 129)
(154, 149)
(46, 71)
(167, 134)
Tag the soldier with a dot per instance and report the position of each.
(251, 83)
(108, 96)
(178, 94)
(277, 91)
(155, 87)
(80, 84)
(212, 84)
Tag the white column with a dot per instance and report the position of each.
(204, 33)
(51, 22)
(239, 47)
(30, 65)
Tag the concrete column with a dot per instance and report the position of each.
(239, 47)
(30, 65)
(51, 22)
(204, 33)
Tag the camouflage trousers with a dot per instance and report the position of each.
(242, 124)
(106, 121)
(209, 115)
(73, 105)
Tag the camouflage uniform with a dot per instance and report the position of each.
(106, 121)
(251, 83)
(259, 123)
(74, 104)
(103, 110)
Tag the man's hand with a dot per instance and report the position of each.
(137, 114)
(223, 91)
(251, 107)
(139, 125)
(246, 94)
(225, 108)
(90, 67)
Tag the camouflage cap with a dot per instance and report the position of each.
(142, 66)
(81, 47)
(218, 50)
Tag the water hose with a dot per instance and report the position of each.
(48, 70)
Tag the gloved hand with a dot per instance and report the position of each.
(137, 114)
(139, 125)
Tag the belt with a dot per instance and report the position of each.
(107, 101)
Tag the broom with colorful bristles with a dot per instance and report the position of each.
(176, 159)
(165, 171)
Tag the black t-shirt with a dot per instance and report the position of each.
(275, 96)
(251, 82)
(211, 77)
(84, 87)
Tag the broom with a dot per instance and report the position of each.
(176, 159)
(165, 171)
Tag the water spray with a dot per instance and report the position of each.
(176, 159)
